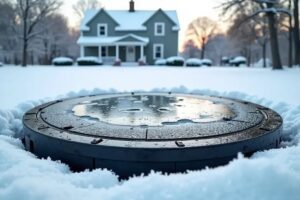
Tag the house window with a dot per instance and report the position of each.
(158, 51)
(159, 29)
(102, 29)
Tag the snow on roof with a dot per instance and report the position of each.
(109, 40)
(128, 20)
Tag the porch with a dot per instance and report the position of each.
(128, 49)
(109, 54)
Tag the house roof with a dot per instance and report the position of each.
(112, 40)
(128, 20)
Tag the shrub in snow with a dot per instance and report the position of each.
(206, 62)
(225, 60)
(89, 60)
(117, 62)
(161, 62)
(175, 61)
(237, 61)
(62, 61)
(193, 62)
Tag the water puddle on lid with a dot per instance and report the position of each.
(153, 110)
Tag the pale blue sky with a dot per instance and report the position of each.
(187, 9)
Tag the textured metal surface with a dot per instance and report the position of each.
(143, 131)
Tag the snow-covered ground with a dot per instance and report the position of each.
(273, 174)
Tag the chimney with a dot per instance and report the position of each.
(131, 6)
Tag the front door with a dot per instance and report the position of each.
(130, 54)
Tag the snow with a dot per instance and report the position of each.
(175, 58)
(62, 60)
(90, 59)
(128, 20)
(260, 63)
(238, 59)
(206, 61)
(273, 174)
(193, 61)
(161, 62)
(1, 64)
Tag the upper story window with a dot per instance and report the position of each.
(159, 29)
(102, 29)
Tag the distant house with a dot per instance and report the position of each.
(129, 35)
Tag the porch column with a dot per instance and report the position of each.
(142, 52)
(117, 52)
(100, 51)
(81, 51)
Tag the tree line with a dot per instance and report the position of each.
(34, 31)
(260, 26)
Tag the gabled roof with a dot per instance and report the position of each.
(133, 37)
(129, 20)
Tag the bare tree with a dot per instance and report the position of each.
(82, 5)
(54, 37)
(190, 50)
(201, 30)
(268, 7)
(31, 13)
(9, 45)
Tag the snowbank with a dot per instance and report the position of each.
(1, 64)
(260, 63)
(273, 174)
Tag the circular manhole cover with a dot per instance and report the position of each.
(137, 132)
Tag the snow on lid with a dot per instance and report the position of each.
(175, 58)
(90, 58)
(62, 60)
(128, 20)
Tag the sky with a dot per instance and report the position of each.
(187, 10)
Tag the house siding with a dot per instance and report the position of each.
(101, 18)
(169, 40)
